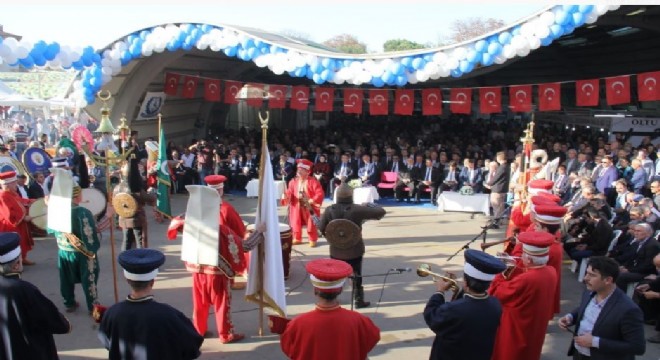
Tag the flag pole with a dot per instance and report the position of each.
(260, 247)
(108, 187)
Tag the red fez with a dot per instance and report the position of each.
(549, 214)
(536, 243)
(541, 200)
(305, 164)
(215, 181)
(536, 186)
(7, 177)
(556, 199)
(328, 275)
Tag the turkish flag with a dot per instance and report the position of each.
(379, 101)
(255, 95)
(353, 101)
(277, 96)
(171, 84)
(647, 86)
(490, 100)
(587, 92)
(189, 87)
(617, 90)
(520, 98)
(404, 102)
(460, 101)
(231, 91)
(549, 97)
(325, 98)
(211, 90)
(299, 98)
(431, 102)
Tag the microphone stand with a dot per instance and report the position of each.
(491, 224)
(389, 272)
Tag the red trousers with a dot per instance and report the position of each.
(212, 289)
(296, 227)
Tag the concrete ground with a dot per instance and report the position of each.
(406, 237)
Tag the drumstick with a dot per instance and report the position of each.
(36, 216)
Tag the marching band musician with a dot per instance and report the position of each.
(140, 327)
(465, 328)
(76, 255)
(527, 301)
(13, 213)
(29, 318)
(134, 228)
(313, 335)
(304, 195)
(350, 250)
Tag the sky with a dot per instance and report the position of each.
(77, 23)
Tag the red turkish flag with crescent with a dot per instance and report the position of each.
(520, 98)
(231, 91)
(431, 102)
(255, 95)
(404, 101)
(171, 84)
(587, 92)
(490, 100)
(277, 96)
(299, 98)
(353, 101)
(460, 101)
(325, 98)
(647, 86)
(211, 90)
(379, 100)
(550, 97)
(189, 87)
(617, 90)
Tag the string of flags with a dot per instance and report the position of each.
(587, 93)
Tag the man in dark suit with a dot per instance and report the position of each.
(572, 163)
(562, 184)
(647, 296)
(450, 178)
(641, 264)
(596, 239)
(36, 190)
(499, 186)
(403, 180)
(470, 176)
(608, 324)
(430, 179)
(283, 170)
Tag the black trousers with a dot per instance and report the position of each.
(356, 264)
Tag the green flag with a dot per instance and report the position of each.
(163, 201)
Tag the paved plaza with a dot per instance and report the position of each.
(406, 237)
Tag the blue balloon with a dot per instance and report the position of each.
(561, 17)
(187, 45)
(466, 66)
(96, 58)
(39, 60)
(516, 30)
(131, 38)
(125, 58)
(136, 50)
(487, 59)
(578, 19)
(316, 67)
(144, 34)
(247, 43)
(504, 38)
(326, 75)
(585, 9)
(377, 82)
(230, 51)
(428, 57)
(96, 72)
(418, 63)
(546, 41)
(456, 73)
(397, 69)
(51, 51)
(472, 56)
(206, 28)
(481, 45)
(317, 79)
(568, 29)
(494, 48)
(401, 80)
(173, 45)
(26, 62)
(388, 77)
(96, 82)
(300, 72)
(556, 31)
(570, 8)
(406, 61)
(187, 28)
(252, 52)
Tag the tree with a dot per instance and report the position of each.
(346, 43)
(470, 28)
(401, 44)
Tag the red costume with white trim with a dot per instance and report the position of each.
(13, 209)
(298, 214)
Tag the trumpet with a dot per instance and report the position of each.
(511, 265)
(424, 270)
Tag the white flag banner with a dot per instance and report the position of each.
(274, 294)
(151, 106)
(59, 201)
(199, 244)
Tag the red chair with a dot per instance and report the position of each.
(387, 182)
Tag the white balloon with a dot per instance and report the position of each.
(422, 75)
(55, 63)
(159, 48)
(66, 62)
(21, 52)
(368, 64)
(11, 59)
(452, 63)
(147, 52)
(509, 51)
(542, 31)
(356, 66)
(364, 77)
(386, 63)
(4, 50)
(289, 65)
(534, 43)
(202, 45)
(601, 9)
(591, 17)
(614, 7)
(523, 51)
(547, 18)
(106, 70)
(433, 69)
(459, 53)
(120, 45)
(527, 29)
(277, 69)
(500, 59)
(105, 78)
(440, 57)
(11, 43)
(377, 70)
(412, 78)
(444, 71)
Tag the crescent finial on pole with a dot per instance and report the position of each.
(264, 121)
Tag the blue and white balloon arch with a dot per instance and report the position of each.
(98, 66)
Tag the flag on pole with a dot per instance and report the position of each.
(163, 200)
(272, 289)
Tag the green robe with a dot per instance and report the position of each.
(73, 265)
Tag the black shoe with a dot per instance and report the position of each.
(362, 304)
(654, 339)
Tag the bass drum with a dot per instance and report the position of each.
(39, 213)
(8, 163)
(36, 159)
(94, 201)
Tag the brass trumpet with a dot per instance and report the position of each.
(424, 270)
